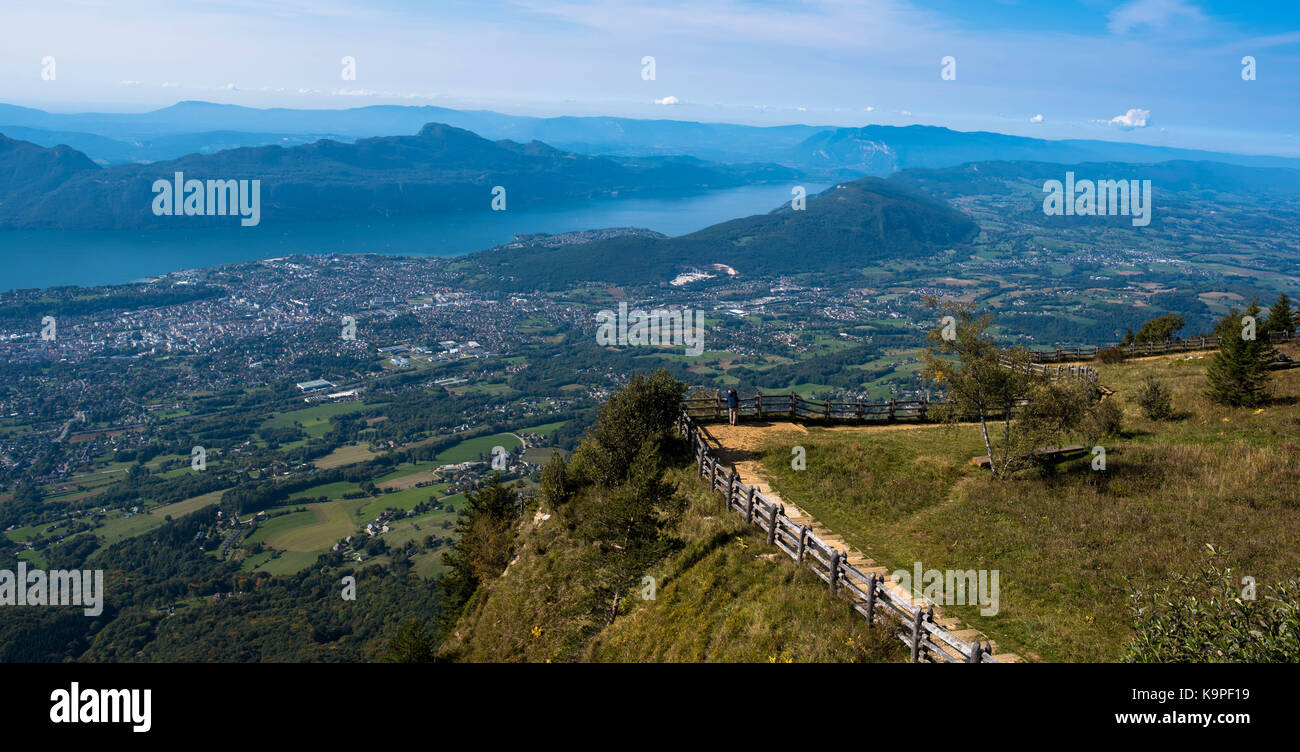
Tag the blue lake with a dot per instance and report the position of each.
(47, 258)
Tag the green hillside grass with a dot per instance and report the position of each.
(1070, 548)
(726, 596)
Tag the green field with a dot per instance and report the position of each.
(475, 449)
(333, 491)
(281, 563)
(545, 429)
(182, 508)
(344, 455)
(121, 527)
(315, 420)
(316, 528)
(404, 500)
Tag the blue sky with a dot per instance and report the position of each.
(1150, 71)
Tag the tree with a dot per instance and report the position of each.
(484, 543)
(989, 383)
(1238, 374)
(555, 485)
(627, 526)
(412, 644)
(648, 406)
(1159, 329)
(977, 382)
(1280, 316)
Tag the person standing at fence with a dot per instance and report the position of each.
(733, 405)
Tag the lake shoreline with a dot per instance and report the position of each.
(89, 258)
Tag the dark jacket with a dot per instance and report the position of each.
(733, 399)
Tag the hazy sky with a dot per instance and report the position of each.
(1153, 71)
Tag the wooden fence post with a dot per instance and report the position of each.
(713, 475)
(827, 410)
(871, 599)
(731, 486)
(916, 633)
(803, 543)
(891, 409)
(835, 571)
(792, 399)
(749, 506)
(758, 404)
(771, 524)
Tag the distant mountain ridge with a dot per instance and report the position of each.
(826, 151)
(884, 149)
(440, 169)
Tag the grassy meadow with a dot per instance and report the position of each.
(1070, 547)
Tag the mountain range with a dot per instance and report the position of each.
(440, 169)
(817, 151)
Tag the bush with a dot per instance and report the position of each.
(1154, 399)
(1106, 418)
(1213, 617)
(1111, 355)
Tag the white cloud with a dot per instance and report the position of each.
(169, 85)
(1036, 119)
(128, 83)
(869, 109)
(1153, 15)
(1134, 118)
(668, 100)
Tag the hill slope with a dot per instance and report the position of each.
(726, 596)
(849, 226)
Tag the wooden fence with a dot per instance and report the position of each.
(882, 607)
(797, 407)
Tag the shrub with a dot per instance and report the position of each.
(1106, 418)
(1213, 617)
(1110, 355)
(1154, 399)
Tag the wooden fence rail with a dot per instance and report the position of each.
(914, 624)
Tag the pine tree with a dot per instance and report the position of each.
(484, 543)
(412, 644)
(627, 526)
(1238, 374)
(1280, 316)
